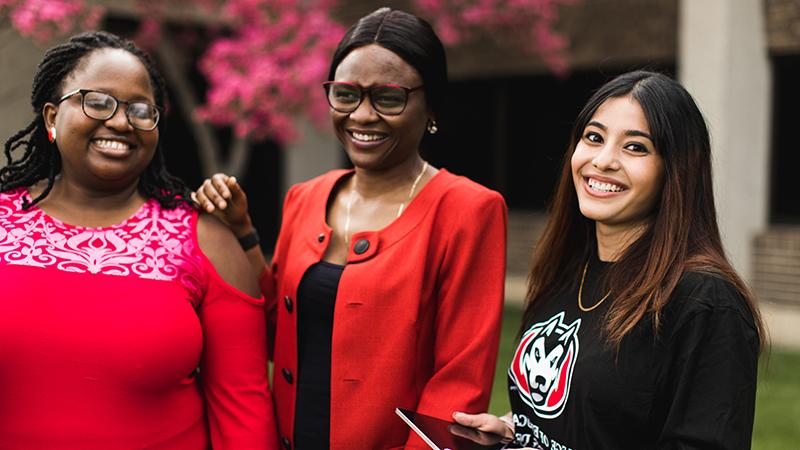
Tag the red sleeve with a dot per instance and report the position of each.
(267, 283)
(470, 305)
(233, 371)
(267, 280)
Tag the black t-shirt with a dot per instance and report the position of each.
(690, 387)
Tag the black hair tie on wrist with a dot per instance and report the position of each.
(249, 240)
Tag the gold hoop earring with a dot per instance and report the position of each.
(432, 127)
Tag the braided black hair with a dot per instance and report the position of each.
(41, 160)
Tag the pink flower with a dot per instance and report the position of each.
(528, 24)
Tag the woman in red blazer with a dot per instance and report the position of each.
(386, 285)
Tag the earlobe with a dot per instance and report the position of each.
(49, 112)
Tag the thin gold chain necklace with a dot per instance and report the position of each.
(580, 292)
(351, 198)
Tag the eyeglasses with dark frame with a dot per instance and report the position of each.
(102, 106)
(386, 99)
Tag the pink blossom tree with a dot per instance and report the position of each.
(526, 24)
(265, 67)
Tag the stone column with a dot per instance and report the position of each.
(723, 62)
(314, 153)
(18, 59)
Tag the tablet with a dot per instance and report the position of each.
(443, 435)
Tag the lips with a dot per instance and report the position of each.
(602, 186)
(367, 139)
(112, 147)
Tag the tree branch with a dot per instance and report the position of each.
(239, 156)
(207, 144)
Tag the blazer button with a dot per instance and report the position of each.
(287, 444)
(321, 237)
(362, 245)
(287, 302)
(287, 375)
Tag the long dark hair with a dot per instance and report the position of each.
(40, 158)
(409, 37)
(682, 236)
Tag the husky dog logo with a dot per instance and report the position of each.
(543, 363)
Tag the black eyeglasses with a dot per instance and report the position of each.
(387, 99)
(101, 106)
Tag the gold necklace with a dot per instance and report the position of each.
(351, 198)
(580, 292)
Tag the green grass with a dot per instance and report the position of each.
(777, 424)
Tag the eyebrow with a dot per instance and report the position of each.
(135, 98)
(627, 132)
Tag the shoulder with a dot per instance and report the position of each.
(222, 249)
(460, 192)
(708, 291)
(13, 195)
(304, 193)
(308, 187)
(703, 298)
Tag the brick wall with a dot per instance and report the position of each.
(776, 257)
(783, 26)
(776, 271)
(524, 229)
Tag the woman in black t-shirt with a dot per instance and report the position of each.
(637, 332)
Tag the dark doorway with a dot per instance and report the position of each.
(510, 134)
(784, 205)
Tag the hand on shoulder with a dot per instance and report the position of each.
(223, 196)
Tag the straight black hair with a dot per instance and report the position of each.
(409, 37)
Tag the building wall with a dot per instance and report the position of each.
(18, 59)
(783, 26)
(602, 33)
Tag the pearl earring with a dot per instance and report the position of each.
(433, 128)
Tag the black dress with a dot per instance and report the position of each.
(316, 297)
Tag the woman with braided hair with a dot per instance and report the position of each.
(127, 319)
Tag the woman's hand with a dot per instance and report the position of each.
(487, 423)
(222, 196)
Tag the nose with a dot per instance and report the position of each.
(607, 157)
(119, 121)
(365, 113)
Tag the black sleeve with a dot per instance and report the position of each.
(710, 380)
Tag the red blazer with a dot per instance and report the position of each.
(417, 317)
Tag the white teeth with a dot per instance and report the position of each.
(113, 145)
(367, 137)
(604, 187)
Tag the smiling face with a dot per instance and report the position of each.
(103, 154)
(374, 141)
(618, 173)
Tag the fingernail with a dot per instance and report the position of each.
(223, 205)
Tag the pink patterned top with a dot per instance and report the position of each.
(103, 330)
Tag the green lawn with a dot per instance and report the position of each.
(777, 401)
